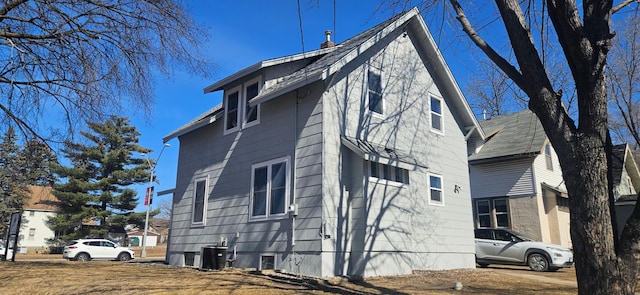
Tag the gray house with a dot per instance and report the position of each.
(350, 160)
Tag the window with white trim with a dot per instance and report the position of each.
(199, 202)
(238, 112)
(437, 123)
(270, 189)
(388, 172)
(375, 103)
(435, 190)
(232, 110)
(492, 213)
(547, 156)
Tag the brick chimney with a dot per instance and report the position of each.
(327, 43)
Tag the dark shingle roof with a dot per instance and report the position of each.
(517, 134)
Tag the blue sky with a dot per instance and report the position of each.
(241, 36)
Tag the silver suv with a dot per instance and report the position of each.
(84, 250)
(501, 246)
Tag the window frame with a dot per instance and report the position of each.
(239, 110)
(204, 202)
(243, 106)
(245, 123)
(548, 157)
(493, 214)
(379, 172)
(368, 91)
(287, 195)
(440, 189)
(439, 115)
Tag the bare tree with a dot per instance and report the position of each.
(604, 264)
(492, 93)
(624, 80)
(78, 61)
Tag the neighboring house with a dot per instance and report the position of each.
(516, 180)
(34, 231)
(626, 181)
(350, 160)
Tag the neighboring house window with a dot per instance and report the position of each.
(547, 156)
(436, 115)
(374, 91)
(435, 190)
(32, 213)
(232, 112)
(390, 173)
(199, 202)
(32, 233)
(269, 189)
(563, 203)
(492, 213)
(238, 112)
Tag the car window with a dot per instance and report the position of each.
(71, 243)
(93, 243)
(107, 244)
(483, 234)
(502, 235)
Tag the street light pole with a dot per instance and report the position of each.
(149, 195)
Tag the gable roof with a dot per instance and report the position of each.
(622, 158)
(40, 199)
(514, 135)
(324, 63)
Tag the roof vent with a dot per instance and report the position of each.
(327, 43)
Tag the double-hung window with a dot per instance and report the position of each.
(199, 202)
(374, 91)
(270, 189)
(492, 213)
(437, 123)
(238, 112)
(436, 196)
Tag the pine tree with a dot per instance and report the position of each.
(13, 191)
(95, 196)
(38, 161)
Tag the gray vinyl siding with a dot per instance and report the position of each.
(372, 223)
(226, 161)
(508, 178)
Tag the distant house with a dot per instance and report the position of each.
(516, 180)
(34, 231)
(350, 160)
(626, 180)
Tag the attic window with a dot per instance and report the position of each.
(374, 91)
(238, 112)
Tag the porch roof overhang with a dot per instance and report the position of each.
(381, 154)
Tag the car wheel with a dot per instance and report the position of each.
(82, 257)
(537, 262)
(124, 256)
(483, 265)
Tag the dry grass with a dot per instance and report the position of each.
(63, 277)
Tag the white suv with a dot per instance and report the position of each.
(501, 246)
(84, 250)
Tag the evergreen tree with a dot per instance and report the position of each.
(38, 162)
(13, 191)
(95, 196)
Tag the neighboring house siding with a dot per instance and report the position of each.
(497, 179)
(35, 224)
(375, 221)
(624, 187)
